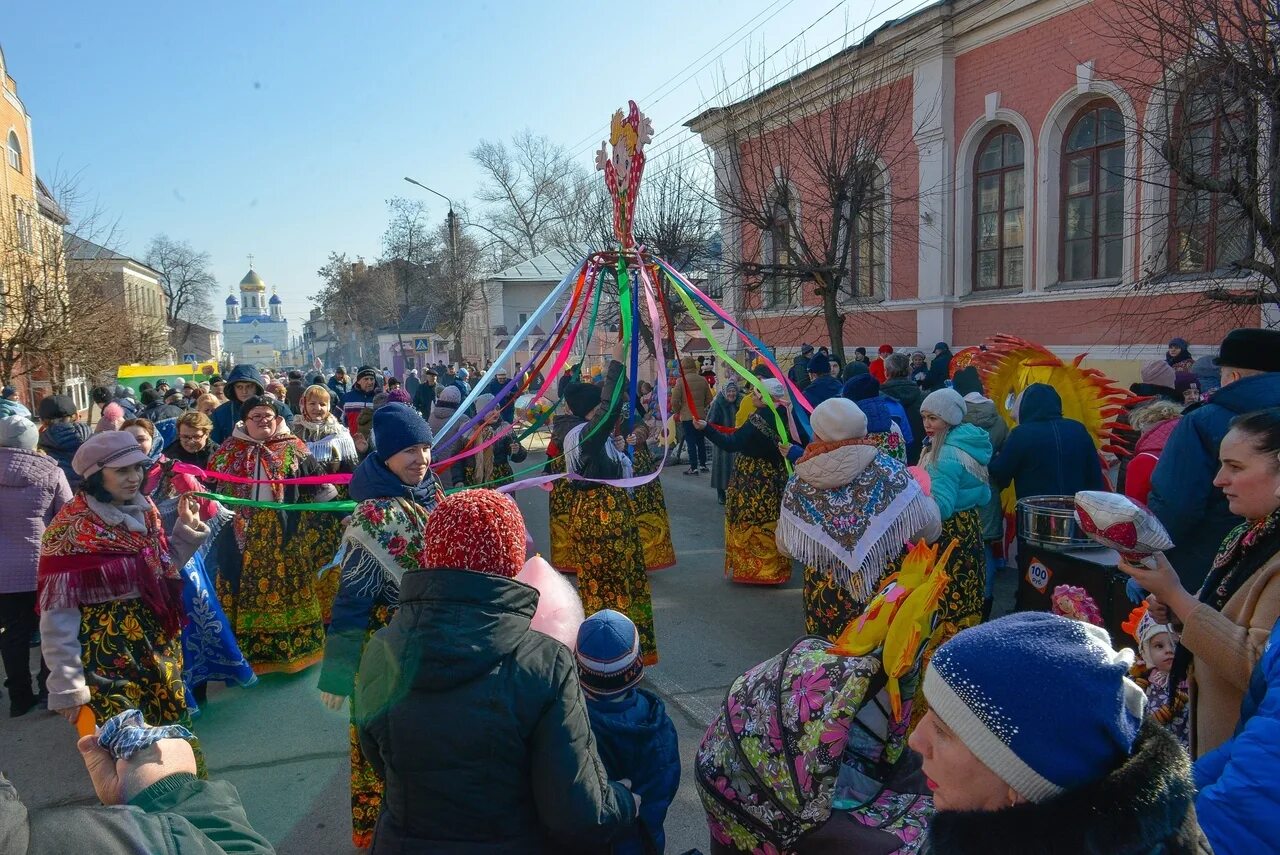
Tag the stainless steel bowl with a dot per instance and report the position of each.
(1050, 523)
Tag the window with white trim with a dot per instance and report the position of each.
(1093, 195)
(777, 246)
(998, 213)
(15, 151)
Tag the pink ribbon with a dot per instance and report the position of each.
(304, 481)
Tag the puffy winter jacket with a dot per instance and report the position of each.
(478, 726)
(177, 815)
(1046, 454)
(60, 441)
(228, 413)
(1146, 454)
(959, 472)
(32, 489)
(1195, 512)
(1239, 782)
(637, 741)
(982, 413)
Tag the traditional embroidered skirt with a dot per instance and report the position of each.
(275, 611)
(131, 663)
(605, 547)
(752, 504)
(651, 514)
(366, 786)
(558, 502)
(317, 538)
(209, 648)
(828, 605)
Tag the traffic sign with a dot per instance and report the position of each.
(189, 357)
(421, 345)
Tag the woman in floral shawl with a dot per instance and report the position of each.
(751, 555)
(847, 513)
(396, 490)
(209, 647)
(109, 590)
(332, 445)
(723, 413)
(266, 580)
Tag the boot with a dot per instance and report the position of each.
(986, 608)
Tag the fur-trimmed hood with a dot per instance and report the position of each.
(1146, 807)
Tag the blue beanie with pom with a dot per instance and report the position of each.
(1043, 701)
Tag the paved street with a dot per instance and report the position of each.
(288, 756)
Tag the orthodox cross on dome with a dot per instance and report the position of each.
(251, 261)
(623, 167)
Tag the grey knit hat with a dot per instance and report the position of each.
(946, 404)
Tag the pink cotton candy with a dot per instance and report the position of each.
(922, 478)
(559, 612)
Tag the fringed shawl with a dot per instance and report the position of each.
(848, 510)
(84, 560)
(322, 438)
(385, 538)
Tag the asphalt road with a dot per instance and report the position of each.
(287, 754)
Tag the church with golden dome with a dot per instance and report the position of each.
(255, 330)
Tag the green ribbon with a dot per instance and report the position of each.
(346, 506)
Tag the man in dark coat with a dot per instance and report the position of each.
(1182, 494)
(62, 434)
(476, 723)
(799, 371)
(1046, 454)
(939, 368)
(338, 382)
(293, 391)
(425, 395)
(901, 388)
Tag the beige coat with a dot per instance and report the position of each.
(698, 390)
(1227, 645)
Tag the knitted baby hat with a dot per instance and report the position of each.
(477, 530)
(1078, 725)
(608, 653)
(946, 404)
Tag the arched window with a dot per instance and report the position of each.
(1093, 195)
(998, 237)
(15, 151)
(1213, 137)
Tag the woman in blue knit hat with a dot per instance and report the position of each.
(396, 491)
(1070, 766)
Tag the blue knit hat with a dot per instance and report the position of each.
(396, 427)
(608, 654)
(1078, 722)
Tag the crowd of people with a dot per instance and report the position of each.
(217, 531)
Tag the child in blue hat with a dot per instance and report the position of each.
(634, 734)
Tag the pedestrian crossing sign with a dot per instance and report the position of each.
(421, 345)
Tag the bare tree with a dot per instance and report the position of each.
(806, 187)
(536, 198)
(1212, 189)
(357, 300)
(187, 281)
(456, 282)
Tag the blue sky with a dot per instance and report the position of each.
(281, 128)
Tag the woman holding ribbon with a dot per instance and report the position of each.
(209, 647)
(332, 445)
(396, 491)
(109, 590)
(723, 413)
(266, 580)
(491, 465)
(604, 542)
(754, 496)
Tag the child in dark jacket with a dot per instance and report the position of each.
(634, 734)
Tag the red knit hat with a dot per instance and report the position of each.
(478, 530)
(886, 348)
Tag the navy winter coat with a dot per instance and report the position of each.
(1046, 454)
(1237, 802)
(1182, 493)
(637, 741)
(228, 413)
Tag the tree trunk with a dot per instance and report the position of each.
(834, 319)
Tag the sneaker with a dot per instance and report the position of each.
(691, 471)
(703, 469)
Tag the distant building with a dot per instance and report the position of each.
(255, 330)
(134, 287)
(196, 340)
(413, 343)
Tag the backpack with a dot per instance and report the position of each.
(766, 769)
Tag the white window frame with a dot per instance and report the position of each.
(14, 147)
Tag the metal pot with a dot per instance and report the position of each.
(1050, 523)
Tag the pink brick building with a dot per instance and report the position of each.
(1024, 195)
